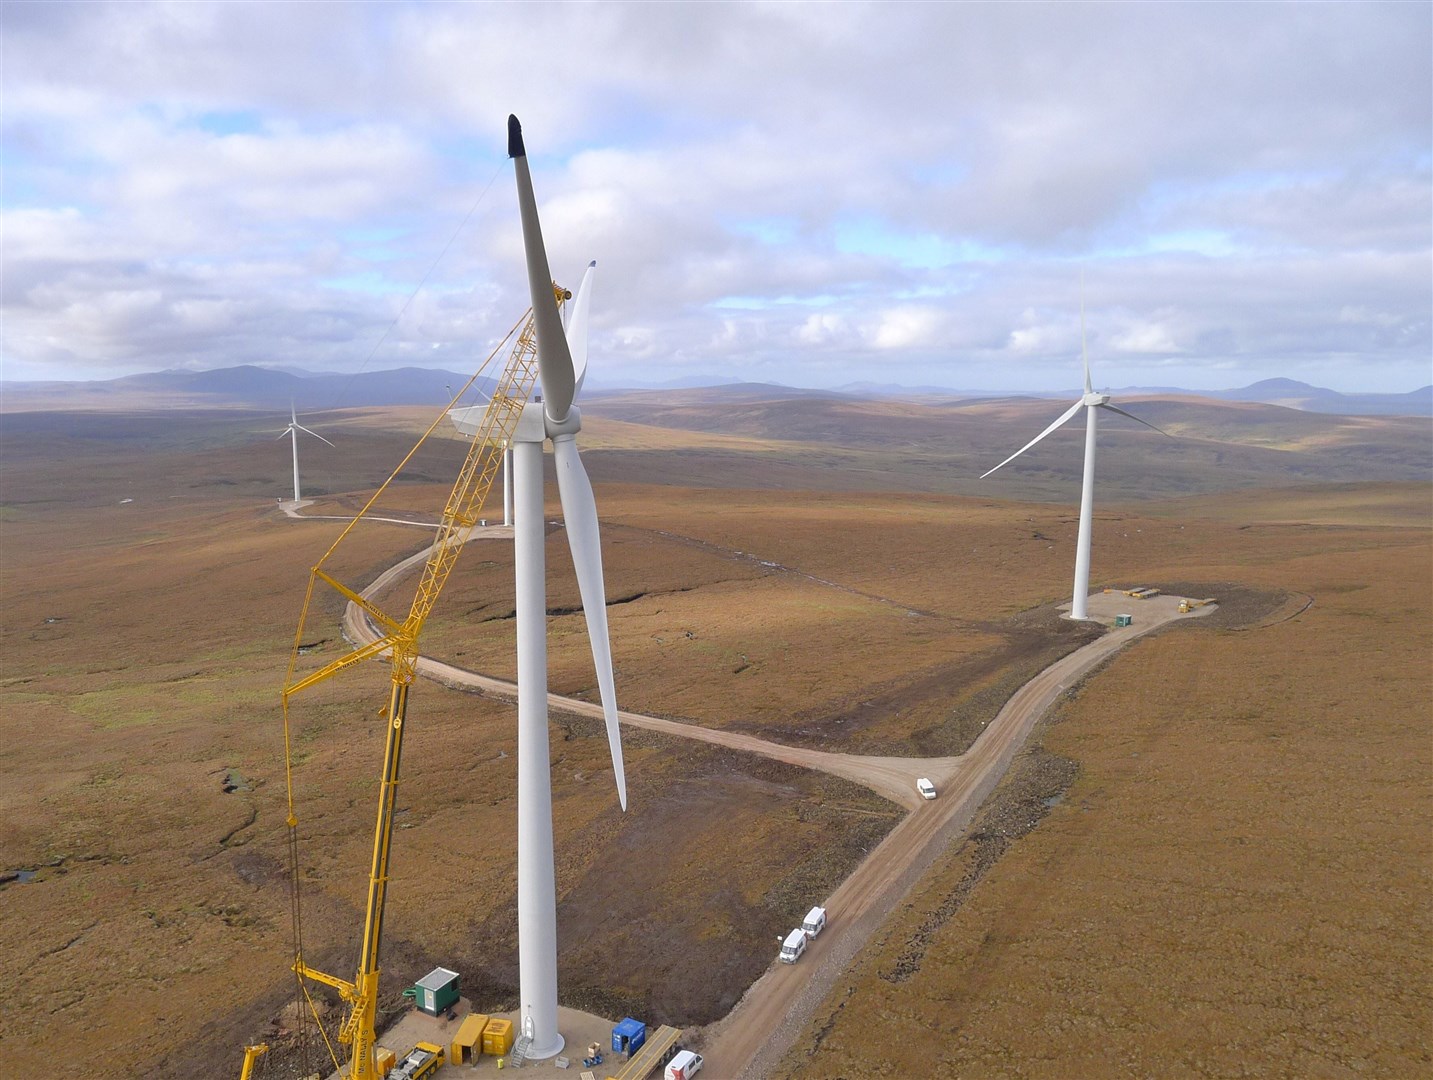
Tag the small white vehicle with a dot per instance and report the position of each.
(926, 788)
(683, 1066)
(814, 922)
(793, 946)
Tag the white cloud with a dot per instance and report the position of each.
(907, 327)
(821, 328)
(1145, 338)
(1242, 186)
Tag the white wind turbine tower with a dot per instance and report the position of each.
(1091, 402)
(293, 431)
(562, 363)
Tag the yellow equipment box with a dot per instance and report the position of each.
(497, 1037)
(468, 1042)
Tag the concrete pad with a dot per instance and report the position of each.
(1104, 606)
(578, 1029)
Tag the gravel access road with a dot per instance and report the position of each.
(750, 1040)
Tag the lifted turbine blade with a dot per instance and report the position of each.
(468, 419)
(577, 328)
(579, 510)
(1132, 416)
(554, 361)
(1064, 416)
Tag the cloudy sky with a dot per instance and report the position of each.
(806, 193)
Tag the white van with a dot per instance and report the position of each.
(926, 788)
(793, 946)
(683, 1066)
(814, 922)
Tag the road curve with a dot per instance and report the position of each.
(749, 1041)
(893, 778)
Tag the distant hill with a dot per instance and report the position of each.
(945, 444)
(250, 386)
(745, 435)
(1298, 395)
(1289, 393)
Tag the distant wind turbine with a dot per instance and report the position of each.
(293, 431)
(1091, 402)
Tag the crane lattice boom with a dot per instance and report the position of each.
(400, 641)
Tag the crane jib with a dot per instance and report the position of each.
(400, 640)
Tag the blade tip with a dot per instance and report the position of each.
(515, 146)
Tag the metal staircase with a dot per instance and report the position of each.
(519, 1052)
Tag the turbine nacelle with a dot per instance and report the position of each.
(1092, 399)
(534, 425)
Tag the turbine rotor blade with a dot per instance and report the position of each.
(1132, 416)
(315, 434)
(577, 328)
(579, 510)
(468, 419)
(554, 361)
(1084, 352)
(1071, 411)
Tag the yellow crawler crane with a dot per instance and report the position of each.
(400, 642)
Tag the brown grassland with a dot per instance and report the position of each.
(1213, 861)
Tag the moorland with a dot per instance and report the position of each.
(1212, 859)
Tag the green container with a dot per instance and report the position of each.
(437, 991)
(1123, 620)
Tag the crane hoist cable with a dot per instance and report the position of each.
(398, 640)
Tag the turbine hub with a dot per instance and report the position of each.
(1093, 398)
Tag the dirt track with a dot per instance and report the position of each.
(751, 1039)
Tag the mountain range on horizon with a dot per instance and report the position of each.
(274, 388)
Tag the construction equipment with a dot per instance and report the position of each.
(423, 1060)
(251, 1055)
(658, 1049)
(399, 641)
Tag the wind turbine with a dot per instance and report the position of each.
(293, 430)
(1091, 402)
(562, 364)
